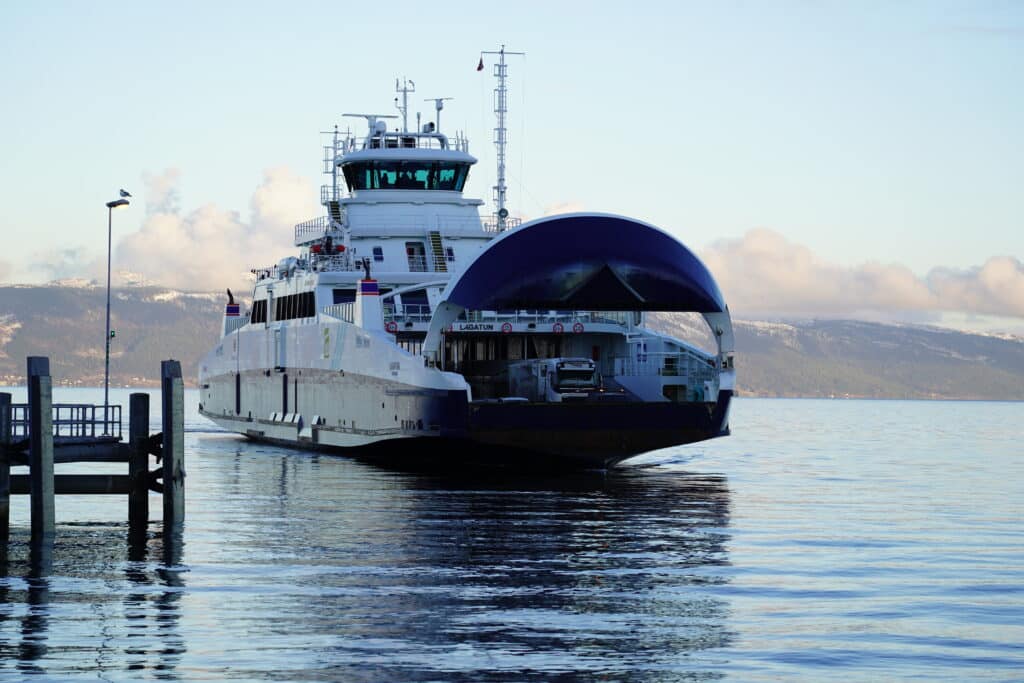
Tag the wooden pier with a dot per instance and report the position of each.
(40, 433)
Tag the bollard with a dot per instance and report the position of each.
(5, 469)
(138, 462)
(40, 420)
(173, 418)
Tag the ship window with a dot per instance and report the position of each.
(378, 253)
(259, 311)
(406, 175)
(417, 254)
(449, 254)
(416, 296)
(344, 296)
(290, 307)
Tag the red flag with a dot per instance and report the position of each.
(480, 66)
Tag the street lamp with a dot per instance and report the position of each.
(106, 363)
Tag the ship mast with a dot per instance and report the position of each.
(500, 133)
(406, 88)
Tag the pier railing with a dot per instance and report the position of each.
(29, 438)
(74, 420)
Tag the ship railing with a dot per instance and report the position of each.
(691, 368)
(406, 140)
(310, 230)
(334, 262)
(234, 323)
(421, 313)
(72, 420)
(345, 311)
(407, 313)
(417, 264)
(494, 225)
(528, 316)
(329, 194)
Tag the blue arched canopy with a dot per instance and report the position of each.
(595, 262)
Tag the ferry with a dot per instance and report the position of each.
(409, 328)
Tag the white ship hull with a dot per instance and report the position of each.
(479, 342)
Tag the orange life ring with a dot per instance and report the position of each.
(391, 327)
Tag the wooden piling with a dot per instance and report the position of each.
(173, 397)
(138, 461)
(41, 483)
(40, 409)
(5, 469)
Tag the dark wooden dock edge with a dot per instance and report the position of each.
(168, 446)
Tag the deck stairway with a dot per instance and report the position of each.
(334, 210)
(437, 250)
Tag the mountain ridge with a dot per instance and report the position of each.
(782, 358)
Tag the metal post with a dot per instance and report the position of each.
(5, 470)
(173, 397)
(138, 462)
(106, 357)
(106, 342)
(40, 427)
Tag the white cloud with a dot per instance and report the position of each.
(564, 207)
(764, 274)
(997, 287)
(162, 191)
(211, 248)
(67, 262)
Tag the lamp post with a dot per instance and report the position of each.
(106, 362)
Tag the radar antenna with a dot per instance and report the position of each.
(371, 119)
(438, 105)
(500, 133)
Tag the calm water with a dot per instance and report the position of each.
(841, 540)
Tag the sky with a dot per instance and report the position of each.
(824, 159)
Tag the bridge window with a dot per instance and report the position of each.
(292, 306)
(406, 175)
(378, 253)
(259, 311)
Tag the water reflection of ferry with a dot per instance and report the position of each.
(407, 319)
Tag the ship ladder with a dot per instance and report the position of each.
(436, 248)
(334, 209)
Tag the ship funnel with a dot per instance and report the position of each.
(368, 314)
